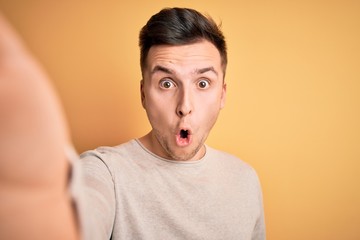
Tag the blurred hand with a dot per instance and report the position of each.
(34, 197)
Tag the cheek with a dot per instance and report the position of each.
(210, 108)
(212, 102)
(157, 111)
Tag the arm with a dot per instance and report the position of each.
(99, 198)
(259, 232)
(34, 201)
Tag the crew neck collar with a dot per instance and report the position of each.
(190, 162)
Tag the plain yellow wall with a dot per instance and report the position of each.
(293, 104)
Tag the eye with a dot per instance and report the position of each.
(203, 84)
(166, 83)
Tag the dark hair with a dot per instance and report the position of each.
(179, 26)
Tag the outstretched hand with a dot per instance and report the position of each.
(34, 198)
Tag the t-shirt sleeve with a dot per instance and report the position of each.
(92, 189)
(259, 232)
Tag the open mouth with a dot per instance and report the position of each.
(183, 138)
(184, 133)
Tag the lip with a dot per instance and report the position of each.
(181, 141)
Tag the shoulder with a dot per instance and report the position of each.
(107, 154)
(227, 158)
(232, 164)
(107, 157)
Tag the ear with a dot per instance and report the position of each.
(142, 92)
(223, 96)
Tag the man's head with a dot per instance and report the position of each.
(183, 57)
(180, 26)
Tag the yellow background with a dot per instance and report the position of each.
(293, 104)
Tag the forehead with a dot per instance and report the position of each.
(196, 55)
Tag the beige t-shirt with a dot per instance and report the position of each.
(130, 193)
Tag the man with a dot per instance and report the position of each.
(168, 184)
(165, 185)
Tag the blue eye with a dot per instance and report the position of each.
(203, 84)
(167, 84)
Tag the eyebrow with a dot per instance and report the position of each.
(207, 69)
(163, 69)
(159, 68)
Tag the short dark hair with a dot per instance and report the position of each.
(179, 26)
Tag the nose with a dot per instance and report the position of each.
(184, 106)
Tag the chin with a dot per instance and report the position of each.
(185, 155)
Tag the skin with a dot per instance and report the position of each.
(182, 88)
(34, 202)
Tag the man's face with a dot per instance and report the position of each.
(182, 93)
